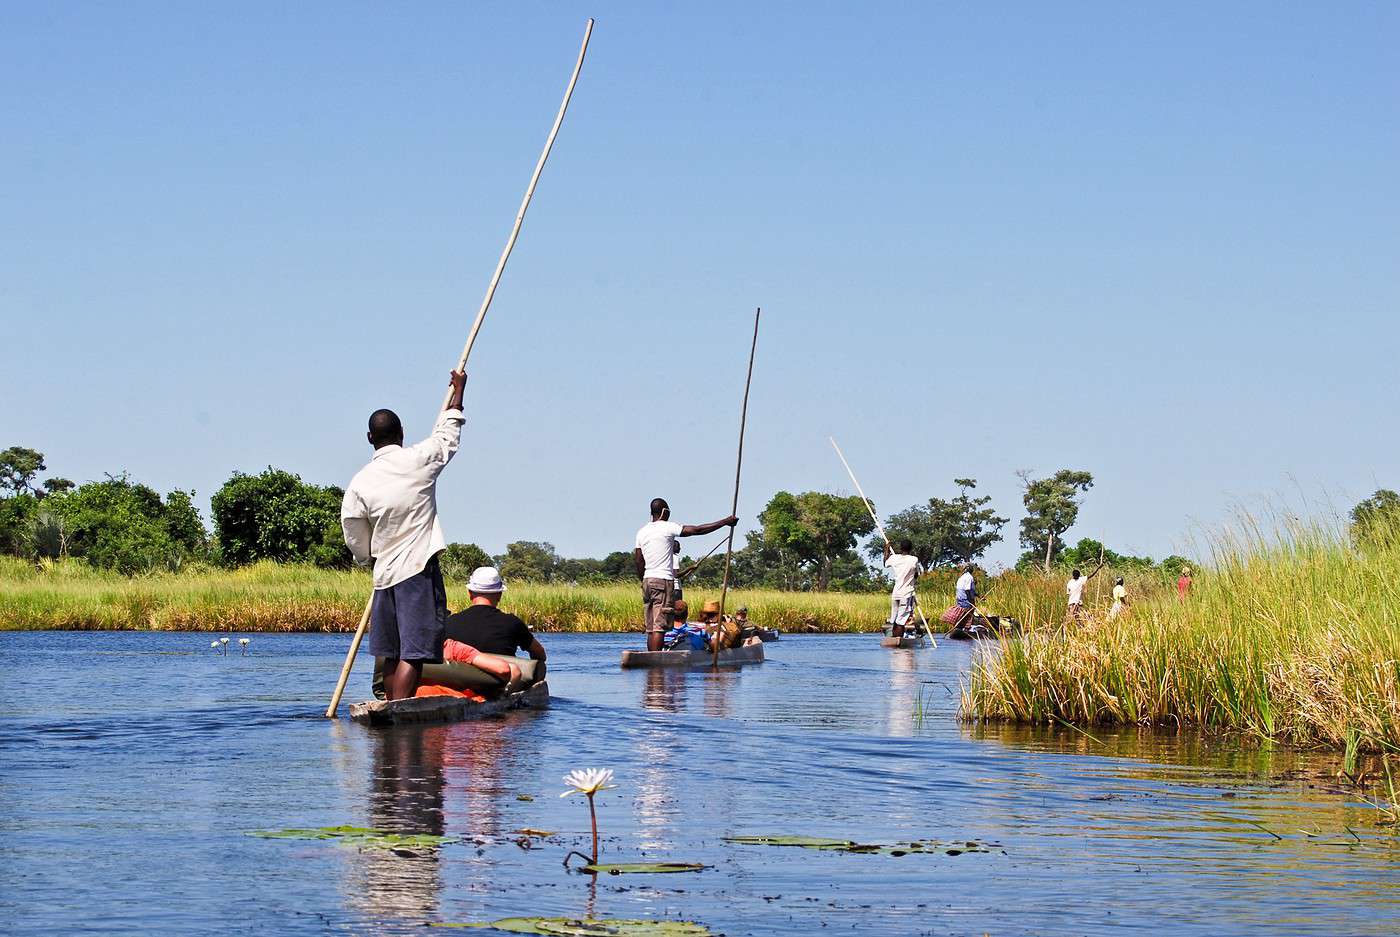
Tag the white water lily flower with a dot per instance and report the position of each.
(243, 641)
(223, 640)
(214, 644)
(588, 781)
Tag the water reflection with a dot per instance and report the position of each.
(664, 689)
(903, 690)
(405, 796)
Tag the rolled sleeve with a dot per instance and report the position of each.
(439, 448)
(356, 528)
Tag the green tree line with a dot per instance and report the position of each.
(807, 541)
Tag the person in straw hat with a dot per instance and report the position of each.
(495, 634)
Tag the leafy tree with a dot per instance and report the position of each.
(123, 525)
(1052, 506)
(16, 517)
(813, 536)
(18, 468)
(277, 516)
(1376, 517)
(57, 486)
(459, 559)
(945, 533)
(1088, 551)
(528, 561)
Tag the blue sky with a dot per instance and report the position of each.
(1159, 244)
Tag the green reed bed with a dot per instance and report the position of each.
(1293, 637)
(270, 597)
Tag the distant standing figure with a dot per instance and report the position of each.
(1074, 591)
(1183, 584)
(389, 517)
(1120, 599)
(654, 557)
(905, 568)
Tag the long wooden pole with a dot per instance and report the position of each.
(881, 528)
(476, 325)
(738, 470)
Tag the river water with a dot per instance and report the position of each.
(133, 766)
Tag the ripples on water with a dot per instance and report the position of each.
(133, 765)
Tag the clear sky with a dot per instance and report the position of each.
(1156, 242)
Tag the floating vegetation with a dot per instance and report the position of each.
(361, 837)
(628, 868)
(539, 834)
(573, 927)
(915, 847)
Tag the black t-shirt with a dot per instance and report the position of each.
(489, 630)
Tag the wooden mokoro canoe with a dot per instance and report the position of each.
(417, 709)
(731, 657)
(985, 629)
(904, 642)
(767, 634)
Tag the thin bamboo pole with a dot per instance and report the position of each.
(738, 469)
(881, 528)
(476, 325)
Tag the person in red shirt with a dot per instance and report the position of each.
(1183, 584)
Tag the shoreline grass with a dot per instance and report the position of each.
(271, 597)
(1292, 637)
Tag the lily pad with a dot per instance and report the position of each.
(360, 836)
(626, 868)
(807, 842)
(538, 834)
(866, 849)
(588, 927)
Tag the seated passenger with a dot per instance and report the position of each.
(683, 635)
(483, 635)
(727, 631)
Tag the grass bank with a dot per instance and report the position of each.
(273, 597)
(1292, 637)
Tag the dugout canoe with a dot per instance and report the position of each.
(730, 657)
(767, 634)
(985, 629)
(422, 709)
(905, 642)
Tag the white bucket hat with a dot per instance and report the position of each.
(486, 580)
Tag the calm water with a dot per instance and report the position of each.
(133, 765)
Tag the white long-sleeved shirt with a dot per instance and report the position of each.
(389, 514)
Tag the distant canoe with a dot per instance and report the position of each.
(445, 708)
(730, 657)
(767, 634)
(986, 629)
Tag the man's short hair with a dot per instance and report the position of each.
(384, 427)
(906, 547)
(657, 506)
(1074, 575)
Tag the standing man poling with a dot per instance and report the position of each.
(904, 567)
(389, 516)
(654, 558)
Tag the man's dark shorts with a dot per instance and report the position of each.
(408, 621)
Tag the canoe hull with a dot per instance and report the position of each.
(767, 634)
(905, 643)
(427, 709)
(732, 657)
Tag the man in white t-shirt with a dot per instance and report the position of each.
(654, 556)
(1074, 590)
(905, 569)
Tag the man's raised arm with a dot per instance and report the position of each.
(699, 530)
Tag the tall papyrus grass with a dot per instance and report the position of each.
(273, 597)
(1291, 635)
